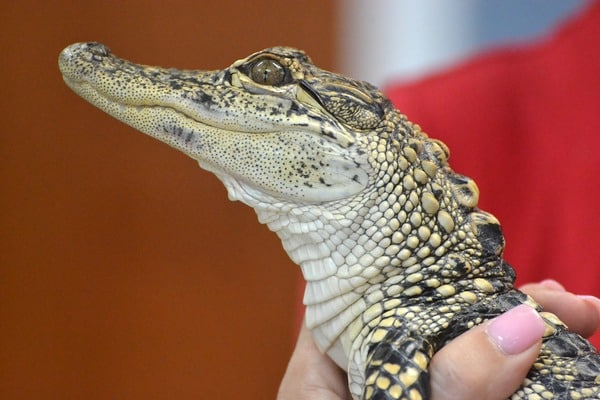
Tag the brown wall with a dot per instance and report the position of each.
(124, 270)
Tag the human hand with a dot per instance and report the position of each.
(473, 366)
(311, 375)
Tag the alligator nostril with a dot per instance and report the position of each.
(98, 50)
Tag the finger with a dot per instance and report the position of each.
(580, 313)
(489, 361)
(311, 374)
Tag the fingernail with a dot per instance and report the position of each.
(516, 330)
(593, 300)
(552, 284)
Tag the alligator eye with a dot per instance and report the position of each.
(267, 72)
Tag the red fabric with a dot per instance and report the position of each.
(525, 124)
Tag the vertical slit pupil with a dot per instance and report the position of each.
(267, 72)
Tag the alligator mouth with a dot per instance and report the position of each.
(259, 138)
(123, 89)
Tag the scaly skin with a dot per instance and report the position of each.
(397, 257)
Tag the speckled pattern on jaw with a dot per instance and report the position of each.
(397, 257)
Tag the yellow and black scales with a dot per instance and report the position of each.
(397, 257)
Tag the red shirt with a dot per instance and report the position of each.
(525, 124)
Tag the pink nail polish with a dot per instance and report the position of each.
(516, 330)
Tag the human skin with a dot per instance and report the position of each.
(487, 362)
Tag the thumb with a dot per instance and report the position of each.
(489, 361)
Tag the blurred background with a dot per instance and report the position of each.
(124, 270)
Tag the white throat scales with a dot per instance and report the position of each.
(338, 258)
(336, 267)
